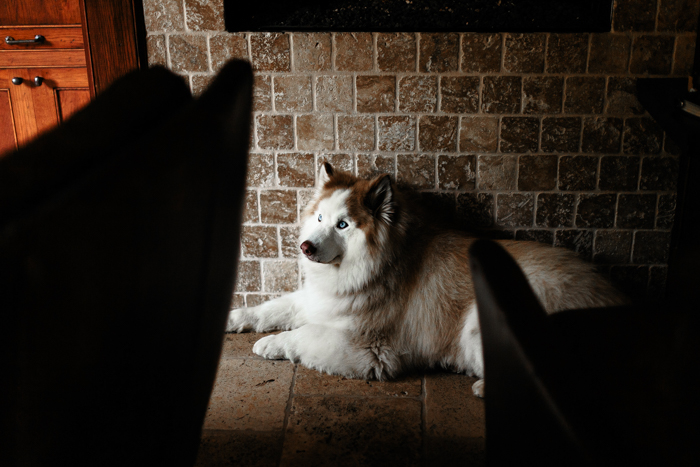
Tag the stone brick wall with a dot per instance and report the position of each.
(527, 136)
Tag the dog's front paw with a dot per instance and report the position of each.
(275, 347)
(240, 320)
(478, 388)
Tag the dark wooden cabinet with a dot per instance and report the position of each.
(56, 54)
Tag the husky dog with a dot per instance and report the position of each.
(385, 292)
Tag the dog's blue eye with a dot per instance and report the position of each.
(342, 224)
(320, 216)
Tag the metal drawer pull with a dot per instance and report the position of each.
(17, 80)
(38, 80)
(38, 39)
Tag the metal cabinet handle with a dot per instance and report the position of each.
(38, 39)
(17, 80)
(38, 80)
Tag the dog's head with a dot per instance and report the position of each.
(348, 221)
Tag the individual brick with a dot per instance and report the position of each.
(371, 165)
(636, 211)
(312, 51)
(238, 301)
(612, 246)
(652, 54)
(456, 172)
(262, 93)
(278, 206)
(353, 51)
(163, 15)
(622, 97)
(315, 131)
(651, 247)
(295, 170)
(542, 94)
(475, 210)
(356, 132)
(258, 299)
(270, 51)
(667, 211)
(200, 83)
(537, 173)
(376, 93)
(524, 53)
(289, 241)
(678, 16)
(334, 93)
(577, 173)
(293, 93)
(596, 210)
(634, 15)
(519, 134)
(396, 133)
(555, 210)
(342, 162)
(188, 53)
(497, 173)
(418, 94)
(561, 134)
(609, 53)
(619, 173)
(531, 235)
(248, 277)
(601, 135)
(567, 53)
(478, 134)
(684, 55)
(260, 170)
(659, 173)
(250, 211)
(275, 131)
(584, 95)
(280, 276)
(259, 241)
(396, 52)
(459, 94)
(515, 210)
(439, 52)
(642, 136)
(223, 47)
(481, 53)
(416, 171)
(501, 94)
(205, 15)
(156, 50)
(437, 133)
(579, 241)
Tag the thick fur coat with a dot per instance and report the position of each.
(385, 292)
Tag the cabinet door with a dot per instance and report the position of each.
(28, 109)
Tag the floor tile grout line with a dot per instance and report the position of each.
(287, 411)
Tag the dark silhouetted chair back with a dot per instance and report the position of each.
(119, 238)
(606, 386)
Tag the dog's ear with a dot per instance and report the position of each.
(324, 174)
(380, 198)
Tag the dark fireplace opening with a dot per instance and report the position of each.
(420, 15)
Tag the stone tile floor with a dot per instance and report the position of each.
(270, 413)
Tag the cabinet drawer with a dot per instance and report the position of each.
(42, 58)
(54, 37)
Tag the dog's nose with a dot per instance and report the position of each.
(308, 248)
